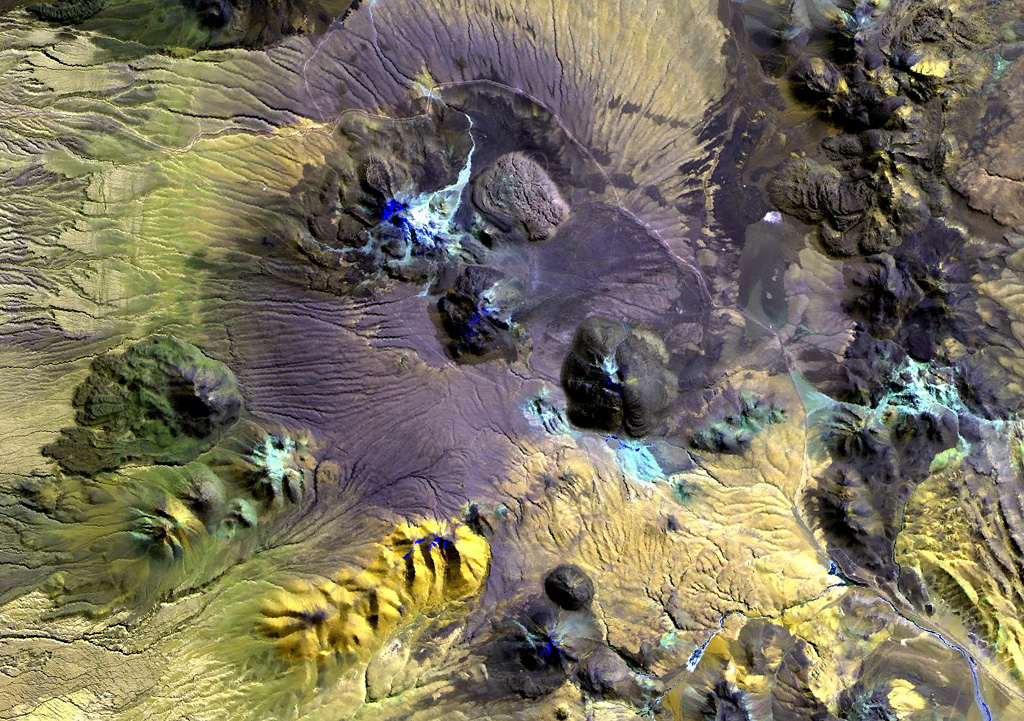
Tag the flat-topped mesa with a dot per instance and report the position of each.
(418, 569)
(517, 195)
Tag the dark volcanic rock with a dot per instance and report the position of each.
(590, 375)
(198, 23)
(860, 704)
(880, 293)
(725, 703)
(647, 387)
(879, 458)
(733, 433)
(858, 208)
(477, 315)
(569, 586)
(214, 13)
(541, 649)
(67, 11)
(605, 674)
(877, 181)
(819, 80)
(161, 401)
(617, 377)
(383, 204)
(856, 379)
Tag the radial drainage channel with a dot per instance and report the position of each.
(427, 217)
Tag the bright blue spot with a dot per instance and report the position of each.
(417, 542)
(392, 211)
(472, 331)
(435, 542)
